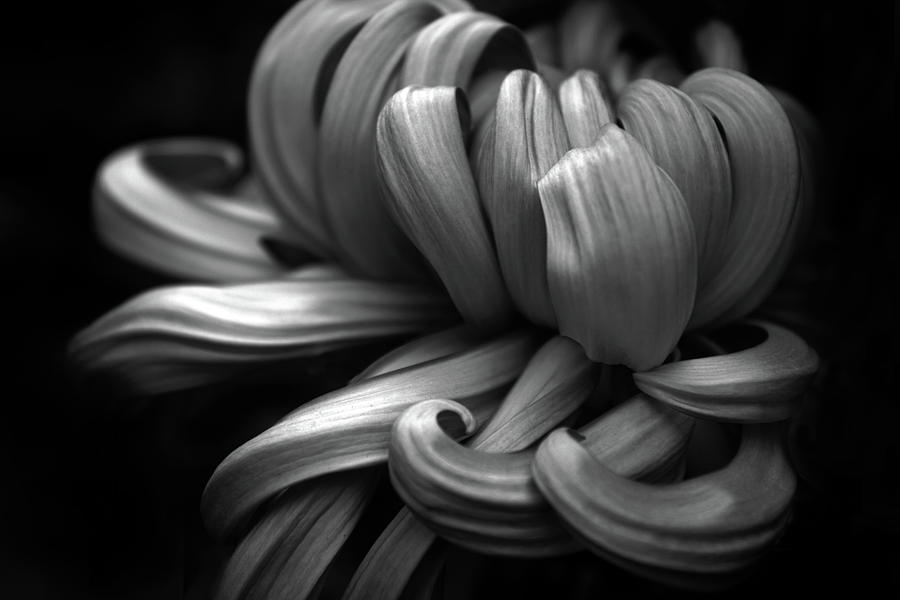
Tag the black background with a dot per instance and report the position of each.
(100, 493)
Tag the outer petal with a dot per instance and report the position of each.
(350, 428)
(152, 204)
(184, 336)
(765, 172)
(621, 256)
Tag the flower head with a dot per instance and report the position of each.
(598, 212)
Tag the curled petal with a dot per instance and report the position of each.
(529, 137)
(585, 107)
(487, 501)
(363, 81)
(554, 384)
(713, 524)
(150, 205)
(765, 169)
(681, 137)
(719, 46)
(290, 79)
(289, 548)
(350, 428)
(431, 192)
(621, 255)
(184, 336)
(757, 385)
(449, 50)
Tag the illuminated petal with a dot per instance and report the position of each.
(450, 50)
(350, 428)
(765, 174)
(486, 501)
(709, 525)
(760, 384)
(681, 137)
(363, 81)
(529, 137)
(150, 205)
(433, 197)
(184, 336)
(288, 86)
(621, 257)
(585, 108)
(301, 531)
(719, 46)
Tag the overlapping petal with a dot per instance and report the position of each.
(184, 336)
(431, 192)
(350, 428)
(621, 252)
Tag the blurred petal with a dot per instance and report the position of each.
(150, 206)
(363, 81)
(660, 67)
(543, 41)
(184, 336)
(621, 257)
(585, 108)
(710, 525)
(719, 46)
(765, 170)
(757, 385)
(300, 532)
(432, 195)
(589, 35)
(290, 79)
(350, 428)
(681, 137)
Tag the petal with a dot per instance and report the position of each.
(350, 428)
(392, 559)
(682, 139)
(288, 549)
(450, 50)
(757, 385)
(543, 42)
(719, 46)
(150, 207)
(710, 525)
(363, 81)
(484, 500)
(529, 136)
(589, 34)
(432, 195)
(765, 170)
(291, 76)
(184, 336)
(585, 107)
(621, 257)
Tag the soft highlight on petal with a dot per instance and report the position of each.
(621, 255)
(585, 107)
(155, 203)
(185, 336)
(432, 194)
(350, 428)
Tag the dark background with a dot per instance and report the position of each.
(100, 493)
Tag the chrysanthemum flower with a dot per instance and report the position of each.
(552, 210)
